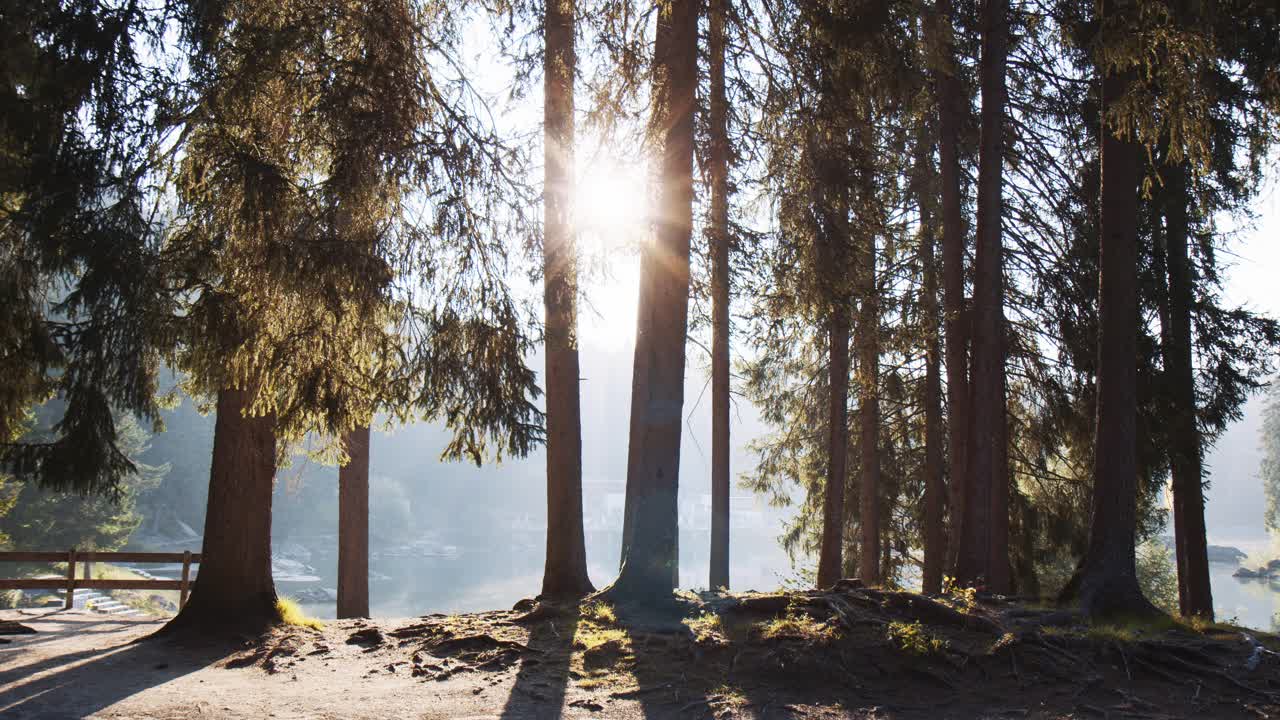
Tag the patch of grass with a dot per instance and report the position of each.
(602, 613)
(729, 697)
(589, 636)
(706, 627)
(291, 614)
(799, 626)
(914, 639)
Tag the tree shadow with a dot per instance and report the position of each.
(77, 684)
(669, 678)
(543, 679)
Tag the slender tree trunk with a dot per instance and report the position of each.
(867, 339)
(1195, 597)
(935, 542)
(986, 525)
(234, 586)
(1108, 584)
(649, 567)
(719, 233)
(565, 572)
(353, 527)
(947, 87)
(831, 552)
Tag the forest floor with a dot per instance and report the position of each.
(847, 653)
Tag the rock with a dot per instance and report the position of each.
(368, 638)
(589, 705)
(524, 605)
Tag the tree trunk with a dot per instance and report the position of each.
(986, 524)
(867, 339)
(947, 87)
(935, 543)
(234, 588)
(831, 553)
(1108, 584)
(719, 234)
(649, 566)
(353, 527)
(1195, 597)
(565, 572)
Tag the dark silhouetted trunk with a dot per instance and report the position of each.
(565, 572)
(719, 234)
(353, 527)
(1195, 597)
(650, 564)
(985, 536)
(935, 542)
(1108, 581)
(234, 588)
(831, 552)
(947, 87)
(867, 339)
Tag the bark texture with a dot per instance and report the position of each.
(565, 571)
(935, 542)
(649, 565)
(1108, 580)
(353, 527)
(234, 587)
(831, 552)
(982, 558)
(947, 87)
(719, 236)
(1195, 596)
(867, 339)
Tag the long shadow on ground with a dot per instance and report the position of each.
(543, 679)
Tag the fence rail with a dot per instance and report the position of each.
(74, 557)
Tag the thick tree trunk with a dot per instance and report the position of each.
(565, 572)
(867, 339)
(1108, 584)
(649, 567)
(353, 527)
(831, 552)
(947, 87)
(719, 233)
(985, 538)
(1195, 597)
(234, 588)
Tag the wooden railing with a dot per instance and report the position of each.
(75, 557)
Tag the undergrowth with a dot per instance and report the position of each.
(291, 613)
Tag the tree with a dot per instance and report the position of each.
(1269, 469)
(658, 386)
(566, 562)
(718, 232)
(353, 526)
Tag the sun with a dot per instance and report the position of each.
(611, 206)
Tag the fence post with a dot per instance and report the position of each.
(71, 580)
(88, 568)
(186, 578)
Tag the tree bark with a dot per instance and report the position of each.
(649, 566)
(353, 527)
(1195, 596)
(985, 535)
(719, 235)
(867, 339)
(1108, 584)
(565, 572)
(234, 588)
(831, 552)
(947, 87)
(935, 542)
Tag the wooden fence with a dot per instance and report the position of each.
(73, 558)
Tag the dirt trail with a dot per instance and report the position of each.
(850, 653)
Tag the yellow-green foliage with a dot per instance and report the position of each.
(798, 625)
(961, 598)
(588, 636)
(705, 627)
(599, 612)
(291, 614)
(914, 639)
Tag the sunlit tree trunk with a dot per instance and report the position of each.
(1108, 581)
(353, 526)
(234, 587)
(649, 566)
(867, 340)
(983, 554)
(1195, 596)
(947, 88)
(719, 235)
(565, 572)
